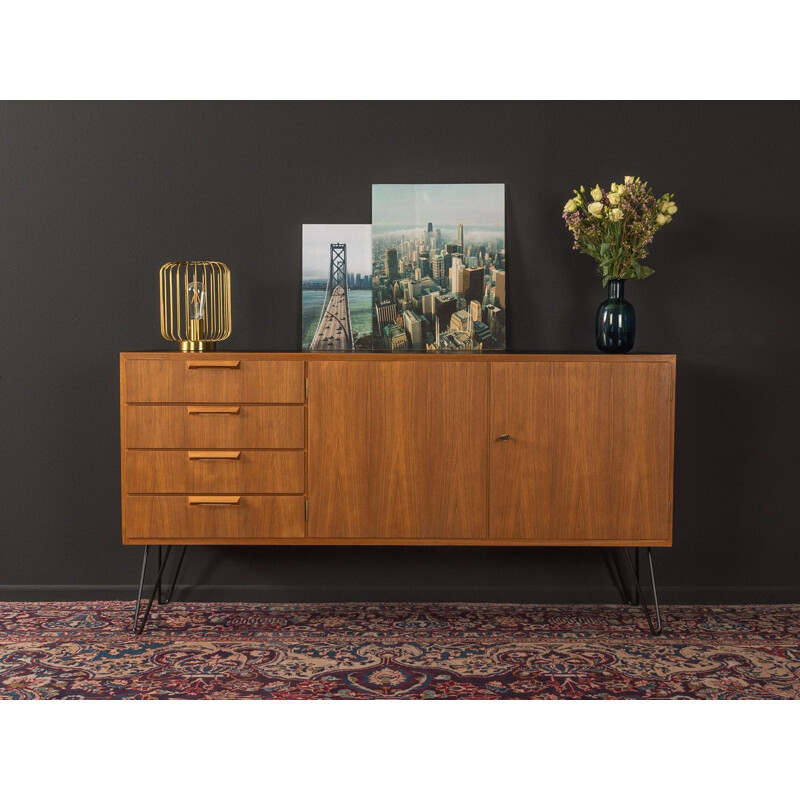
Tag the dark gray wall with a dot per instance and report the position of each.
(94, 197)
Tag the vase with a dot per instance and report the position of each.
(616, 321)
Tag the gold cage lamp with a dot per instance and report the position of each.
(195, 304)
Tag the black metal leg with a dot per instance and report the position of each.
(175, 579)
(658, 628)
(141, 586)
(138, 625)
(616, 576)
(158, 582)
(655, 592)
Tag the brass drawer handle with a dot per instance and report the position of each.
(212, 365)
(213, 500)
(213, 455)
(503, 437)
(203, 410)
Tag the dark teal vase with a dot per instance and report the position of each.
(616, 321)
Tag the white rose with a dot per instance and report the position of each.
(595, 209)
(629, 179)
(597, 193)
(571, 206)
(613, 187)
(613, 198)
(661, 220)
(672, 209)
(615, 215)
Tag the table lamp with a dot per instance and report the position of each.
(195, 304)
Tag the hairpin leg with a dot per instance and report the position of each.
(138, 625)
(658, 628)
(141, 586)
(158, 580)
(616, 575)
(175, 579)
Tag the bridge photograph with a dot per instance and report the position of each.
(337, 287)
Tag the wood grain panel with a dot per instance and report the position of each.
(397, 449)
(253, 426)
(588, 456)
(641, 437)
(159, 517)
(200, 472)
(189, 379)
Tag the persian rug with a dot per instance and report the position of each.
(396, 650)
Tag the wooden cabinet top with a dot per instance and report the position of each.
(222, 356)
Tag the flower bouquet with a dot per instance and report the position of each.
(616, 226)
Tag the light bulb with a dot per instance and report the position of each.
(196, 296)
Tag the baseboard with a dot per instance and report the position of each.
(691, 595)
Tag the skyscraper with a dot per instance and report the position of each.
(413, 326)
(437, 268)
(429, 301)
(424, 265)
(390, 263)
(473, 284)
(445, 308)
(475, 310)
(494, 319)
(385, 313)
(457, 277)
(500, 289)
(460, 238)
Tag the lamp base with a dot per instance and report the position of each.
(198, 347)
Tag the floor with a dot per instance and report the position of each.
(396, 650)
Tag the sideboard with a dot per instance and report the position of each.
(489, 449)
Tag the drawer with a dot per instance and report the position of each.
(217, 379)
(215, 426)
(215, 471)
(214, 517)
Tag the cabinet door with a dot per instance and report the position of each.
(589, 452)
(397, 449)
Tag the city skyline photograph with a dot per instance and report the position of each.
(438, 267)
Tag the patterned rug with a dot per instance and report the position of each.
(396, 650)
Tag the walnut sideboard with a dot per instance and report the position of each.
(397, 449)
